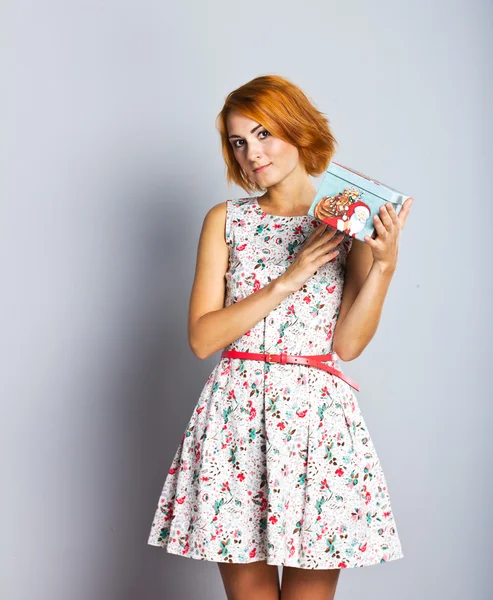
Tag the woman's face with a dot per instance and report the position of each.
(254, 147)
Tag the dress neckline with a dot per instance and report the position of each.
(262, 212)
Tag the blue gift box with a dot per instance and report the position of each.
(348, 201)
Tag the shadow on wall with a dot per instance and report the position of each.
(152, 382)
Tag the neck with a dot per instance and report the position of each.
(292, 195)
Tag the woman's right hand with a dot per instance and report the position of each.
(319, 249)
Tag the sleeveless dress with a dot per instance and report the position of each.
(276, 462)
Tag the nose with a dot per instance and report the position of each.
(254, 152)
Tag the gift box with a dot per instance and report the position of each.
(348, 201)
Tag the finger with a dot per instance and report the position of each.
(325, 230)
(325, 257)
(385, 218)
(329, 229)
(370, 241)
(315, 235)
(333, 238)
(333, 235)
(406, 207)
(318, 231)
(325, 247)
(379, 227)
(393, 214)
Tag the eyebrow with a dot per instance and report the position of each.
(237, 136)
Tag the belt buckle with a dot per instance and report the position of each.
(279, 358)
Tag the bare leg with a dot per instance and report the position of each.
(309, 584)
(256, 580)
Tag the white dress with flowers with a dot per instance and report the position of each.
(276, 462)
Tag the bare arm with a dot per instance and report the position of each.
(370, 266)
(365, 289)
(211, 327)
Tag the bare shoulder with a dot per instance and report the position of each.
(217, 212)
(213, 226)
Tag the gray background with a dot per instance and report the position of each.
(109, 162)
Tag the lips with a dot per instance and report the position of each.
(260, 169)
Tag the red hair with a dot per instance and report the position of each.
(285, 111)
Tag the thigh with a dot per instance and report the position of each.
(250, 580)
(309, 584)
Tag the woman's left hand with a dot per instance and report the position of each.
(388, 226)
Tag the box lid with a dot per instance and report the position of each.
(364, 182)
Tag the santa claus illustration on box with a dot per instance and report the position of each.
(357, 215)
(345, 211)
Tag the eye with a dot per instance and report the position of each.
(260, 132)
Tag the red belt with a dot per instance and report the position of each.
(315, 360)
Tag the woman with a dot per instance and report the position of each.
(276, 465)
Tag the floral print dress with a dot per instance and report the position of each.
(276, 462)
